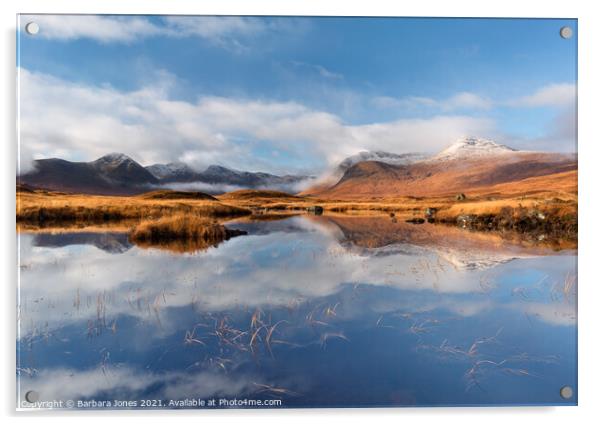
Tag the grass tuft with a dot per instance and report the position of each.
(182, 233)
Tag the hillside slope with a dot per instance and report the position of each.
(469, 166)
(374, 179)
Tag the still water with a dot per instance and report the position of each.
(312, 311)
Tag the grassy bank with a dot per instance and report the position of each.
(181, 233)
(541, 223)
(546, 212)
(45, 208)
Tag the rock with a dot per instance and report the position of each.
(315, 210)
(535, 214)
(460, 197)
(415, 220)
(430, 212)
(466, 220)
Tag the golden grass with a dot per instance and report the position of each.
(53, 209)
(43, 207)
(406, 207)
(271, 199)
(550, 205)
(181, 233)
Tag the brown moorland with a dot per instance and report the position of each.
(515, 173)
(44, 207)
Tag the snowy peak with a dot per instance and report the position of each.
(173, 169)
(114, 158)
(178, 172)
(472, 147)
(218, 170)
(120, 169)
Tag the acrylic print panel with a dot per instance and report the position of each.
(279, 212)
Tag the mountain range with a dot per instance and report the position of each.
(111, 174)
(469, 165)
(118, 174)
(178, 172)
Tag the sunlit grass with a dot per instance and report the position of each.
(181, 232)
(48, 207)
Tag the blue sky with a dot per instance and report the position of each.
(290, 94)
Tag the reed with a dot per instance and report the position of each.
(181, 232)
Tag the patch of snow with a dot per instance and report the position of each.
(114, 158)
(166, 170)
(472, 147)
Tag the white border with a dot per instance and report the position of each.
(590, 156)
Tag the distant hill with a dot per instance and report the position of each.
(111, 174)
(118, 174)
(470, 165)
(217, 175)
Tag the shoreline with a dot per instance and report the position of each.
(545, 215)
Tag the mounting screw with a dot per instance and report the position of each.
(566, 32)
(32, 396)
(566, 392)
(32, 28)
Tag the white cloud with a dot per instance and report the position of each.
(467, 100)
(220, 30)
(102, 28)
(459, 101)
(224, 31)
(318, 69)
(71, 384)
(75, 121)
(556, 95)
(560, 134)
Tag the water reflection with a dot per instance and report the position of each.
(112, 242)
(316, 311)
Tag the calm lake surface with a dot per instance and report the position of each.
(313, 311)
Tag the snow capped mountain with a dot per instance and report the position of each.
(120, 169)
(468, 147)
(114, 158)
(218, 172)
(114, 173)
(170, 171)
(469, 164)
(472, 147)
(219, 176)
(381, 156)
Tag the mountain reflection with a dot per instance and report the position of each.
(316, 311)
